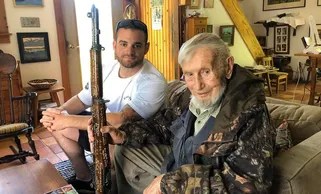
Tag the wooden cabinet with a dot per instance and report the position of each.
(195, 25)
(184, 2)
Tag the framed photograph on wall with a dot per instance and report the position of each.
(195, 4)
(33, 47)
(318, 30)
(37, 3)
(281, 4)
(227, 34)
(282, 39)
(209, 28)
(208, 3)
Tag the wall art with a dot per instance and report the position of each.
(281, 4)
(33, 47)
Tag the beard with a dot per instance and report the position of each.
(134, 63)
(213, 101)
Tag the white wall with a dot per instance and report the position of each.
(217, 16)
(253, 9)
(39, 70)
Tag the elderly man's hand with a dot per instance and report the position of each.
(117, 136)
(52, 119)
(154, 187)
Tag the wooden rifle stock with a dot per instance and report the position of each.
(101, 151)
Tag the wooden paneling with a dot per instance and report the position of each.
(243, 28)
(163, 43)
(4, 32)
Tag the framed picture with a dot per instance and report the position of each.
(33, 47)
(318, 29)
(208, 3)
(18, 3)
(319, 3)
(195, 4)
(209, 28)
(227, 34)
(281, 4)
(30, 22)
(282, 39)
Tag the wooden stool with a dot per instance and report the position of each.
(52, 91)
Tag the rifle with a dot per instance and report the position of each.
(101, 151)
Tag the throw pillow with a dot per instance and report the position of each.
(283, 139)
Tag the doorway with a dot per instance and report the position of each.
(75, 36)
(85, 34)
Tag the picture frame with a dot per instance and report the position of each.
(280, 4)
(31, 3)
(282, 39)
(195, 4)
(227, 34)
(208, 3)
(318, 29)
(209, 28)
(33, 47)
(319, 3)
(30, 22)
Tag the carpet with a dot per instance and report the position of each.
(66, 170)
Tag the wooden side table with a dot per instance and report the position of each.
(36, 177)
(52, 91)
(315, 63)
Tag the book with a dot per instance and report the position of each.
(67, 189)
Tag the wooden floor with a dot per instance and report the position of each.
(48, 148)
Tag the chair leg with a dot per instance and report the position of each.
(19, 151)
(32, 145)
(286, 84)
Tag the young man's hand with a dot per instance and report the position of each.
(51, 118)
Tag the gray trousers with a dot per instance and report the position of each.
(135, 168)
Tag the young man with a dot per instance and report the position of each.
(221, 143)
(135, 90)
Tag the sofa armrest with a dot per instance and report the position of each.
(304, 120)
(298, 170)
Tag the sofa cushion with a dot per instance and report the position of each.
(304, 120)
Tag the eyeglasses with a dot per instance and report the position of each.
(132, 24)
(204, 74)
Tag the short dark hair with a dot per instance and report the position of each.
(132, 24)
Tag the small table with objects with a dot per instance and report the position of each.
(52, 91)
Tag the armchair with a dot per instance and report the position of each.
(15, 113)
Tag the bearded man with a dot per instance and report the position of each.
(221, 141)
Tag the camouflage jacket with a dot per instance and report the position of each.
(241, 141)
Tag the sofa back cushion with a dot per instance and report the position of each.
(303, 120)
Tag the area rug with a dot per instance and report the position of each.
(66, 170)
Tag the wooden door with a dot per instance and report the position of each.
(164, 43)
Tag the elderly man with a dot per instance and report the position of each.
(221, 142)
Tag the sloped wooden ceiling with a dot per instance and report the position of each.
(244, 28)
